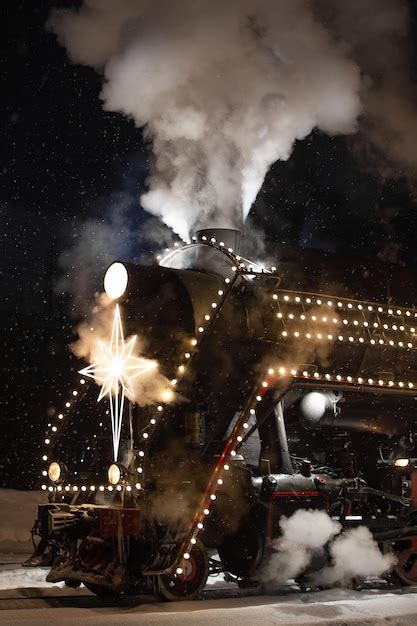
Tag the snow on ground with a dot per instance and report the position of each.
(14, 576)
(17, 514)
(27, 599)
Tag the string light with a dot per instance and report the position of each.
(343, 303)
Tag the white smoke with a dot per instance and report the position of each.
(223, 89)
(354, 554)
(377, 33)
(305, 534)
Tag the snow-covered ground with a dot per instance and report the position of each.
(26, 598)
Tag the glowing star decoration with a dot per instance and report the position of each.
(115, 371)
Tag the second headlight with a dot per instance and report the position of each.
(57, 472)
(116, 473)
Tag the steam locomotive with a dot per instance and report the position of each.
(283, 397)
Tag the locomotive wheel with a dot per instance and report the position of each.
(405, 571)
(242, 552)
(189, 584)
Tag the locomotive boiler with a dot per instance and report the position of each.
(288, 388)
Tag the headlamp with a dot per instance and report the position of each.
(401, 462)
(57, 472)
(116, 473)
(115, 280)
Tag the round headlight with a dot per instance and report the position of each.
(401, 462)
(115, 280)
(56, 472)
(114, 474)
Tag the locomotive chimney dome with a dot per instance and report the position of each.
(230, 237)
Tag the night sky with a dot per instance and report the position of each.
(70, 171)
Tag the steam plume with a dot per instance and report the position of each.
(303, 534)
(306, 533)
(355, 553)
(223, 90)
(376, 32)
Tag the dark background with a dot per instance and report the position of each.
(65, 164)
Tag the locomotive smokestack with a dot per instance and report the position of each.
(229, 236)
